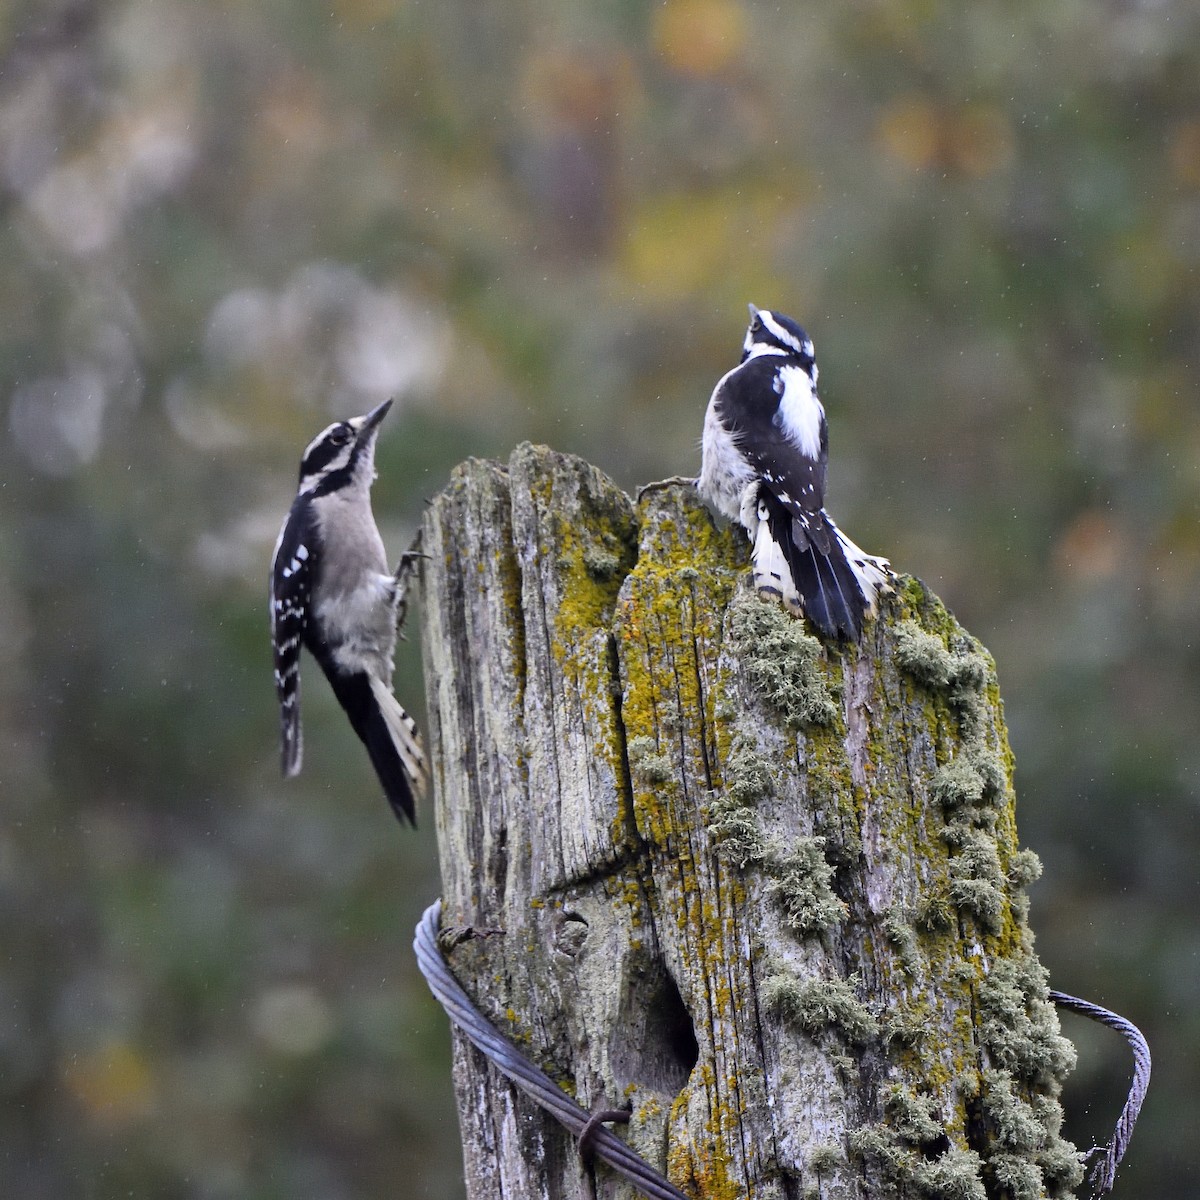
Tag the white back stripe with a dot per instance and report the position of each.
(800, 412)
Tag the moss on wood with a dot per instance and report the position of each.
(798, 926)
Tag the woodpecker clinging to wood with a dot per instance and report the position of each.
(765, 447)
(331, 591)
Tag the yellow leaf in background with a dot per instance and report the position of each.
(910, 130)
(680, 244)
(1164, 412)
(700, 37)
(676, 244)
(114, 1083)
(917, 132)
(980, 140)
(567, 85)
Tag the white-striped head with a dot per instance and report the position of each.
(342, 454)
(773, 333)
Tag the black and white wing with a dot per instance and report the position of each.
(292, 577)
(775, 419)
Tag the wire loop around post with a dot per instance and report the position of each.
(1104, 1174)
(531, 1079)
(609, 1148)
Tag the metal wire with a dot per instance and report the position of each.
(1104, 1174)
(544, 1092)
(532, 1080)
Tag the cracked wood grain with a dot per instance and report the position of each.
(765, 893)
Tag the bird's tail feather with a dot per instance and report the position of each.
(291, 738)
(402, 730)
(390, 736)
(834, 590)
(874, 575)
(773, 574)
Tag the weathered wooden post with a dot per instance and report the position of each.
(765, 892)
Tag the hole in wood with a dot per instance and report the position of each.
(655, 1040)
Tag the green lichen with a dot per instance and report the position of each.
(602, 562)
(739, 836)
(953, 1176)
(747, 776)
(974, 778)
(1020, 1118)
(969, 675)
(981, 899)
(976, 880)
(923, 655)
(903, 1170)
(818, 1006)
(1017, 1176)
(899, 931)
(912, 1117)
(1028, 1156)
(781, 661)
(904, 1028)
(1019, 1026)
(1024, 868)
(934, 910)
(961, 670)
(1062, 1166)
(647, 763)
(801, 885)
(1016, 1125)
(733, 823)
(825, 1158)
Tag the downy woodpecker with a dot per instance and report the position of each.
(765, 448)
(332, 592)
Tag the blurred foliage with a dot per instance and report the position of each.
(227, 223)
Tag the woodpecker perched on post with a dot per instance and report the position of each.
(765, 447)
(332, 592)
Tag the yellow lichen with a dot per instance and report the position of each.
(928, 781)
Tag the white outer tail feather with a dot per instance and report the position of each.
(875, 576)
(295, 754)
(403, 730)
(773, 576)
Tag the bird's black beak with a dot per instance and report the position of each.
(753, 311)
(371, 421)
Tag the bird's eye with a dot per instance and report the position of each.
(340, 436)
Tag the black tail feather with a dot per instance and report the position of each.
(832, 598)
(356, 696)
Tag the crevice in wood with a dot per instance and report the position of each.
(625, 775)
(644, 962)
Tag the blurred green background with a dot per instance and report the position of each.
(227, 223)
